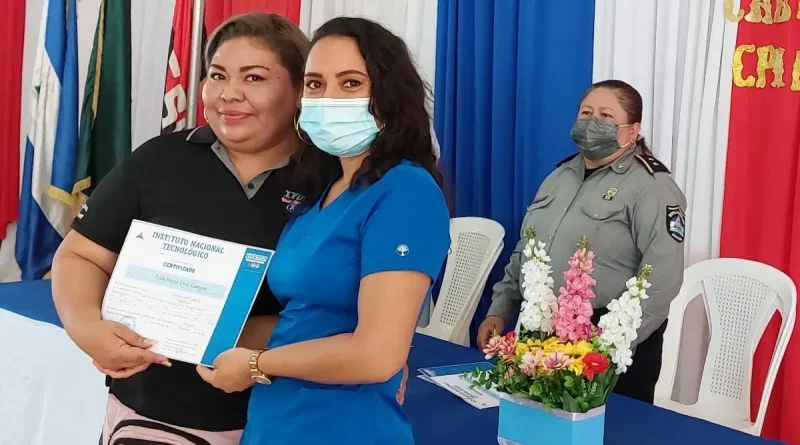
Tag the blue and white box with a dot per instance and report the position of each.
(525, 422)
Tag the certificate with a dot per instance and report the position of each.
(189, 293)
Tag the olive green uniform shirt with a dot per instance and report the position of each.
(632, 213)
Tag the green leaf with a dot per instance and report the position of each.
(530, 233)
(611, 381)
(536, 389)
(569, 403)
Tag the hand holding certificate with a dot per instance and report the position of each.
(189, 293)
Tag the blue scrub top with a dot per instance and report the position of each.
(400, 223)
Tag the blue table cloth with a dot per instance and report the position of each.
(441, 418)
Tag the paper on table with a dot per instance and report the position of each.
(451, 378)
(456, 369)
(189, 293)
(456, 384)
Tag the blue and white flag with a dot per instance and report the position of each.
(47, 203)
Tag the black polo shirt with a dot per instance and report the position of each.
(184, 180)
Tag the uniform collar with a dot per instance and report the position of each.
(620, 165)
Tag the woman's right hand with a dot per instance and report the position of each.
(116, 350)
(489, 326)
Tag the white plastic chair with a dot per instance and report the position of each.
(475, 244)
(740, 298)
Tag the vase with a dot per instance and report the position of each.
(525, 422)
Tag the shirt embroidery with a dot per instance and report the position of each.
(292, 200)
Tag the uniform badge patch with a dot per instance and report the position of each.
(676, 223)
(610, 194)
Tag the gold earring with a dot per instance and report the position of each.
(297, 129)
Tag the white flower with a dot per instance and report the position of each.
(621, 322)
(539, 303)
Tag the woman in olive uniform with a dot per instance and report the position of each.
(624, 200)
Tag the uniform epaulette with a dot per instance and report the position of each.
(567, 159)
(652, 164)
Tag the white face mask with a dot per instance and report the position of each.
(340, 127)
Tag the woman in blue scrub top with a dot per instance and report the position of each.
(353, 269)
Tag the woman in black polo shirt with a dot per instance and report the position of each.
(238, 179)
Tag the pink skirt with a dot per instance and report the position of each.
(123, 423)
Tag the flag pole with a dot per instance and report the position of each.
(195, 60)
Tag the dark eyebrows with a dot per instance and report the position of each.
(348, 72)
(341, 74)
(242, 69)
(252, 67)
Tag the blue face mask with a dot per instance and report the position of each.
(341, 127)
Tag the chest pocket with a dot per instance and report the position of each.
(536, 215)
(540, 202)
(603, 213)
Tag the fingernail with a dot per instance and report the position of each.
(167, 363)
(149, 342)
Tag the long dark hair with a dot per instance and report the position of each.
(629, 99)
(398, 99)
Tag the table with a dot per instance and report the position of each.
(438, 416)
(49, 391)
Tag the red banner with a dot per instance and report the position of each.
(13, 25)
(761, 211)
(176, 87)
(218, 11)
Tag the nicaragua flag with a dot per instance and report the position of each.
(47, 203)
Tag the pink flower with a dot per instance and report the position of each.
(530, 362)
(572, 321)
(570, 275)
(509, 345)
(509, 373)
(557, 361)
(504, 345)
(493, 346)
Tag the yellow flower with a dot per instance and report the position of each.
(582, 348)
(522, 348)
(551, 345)
(576, 366)
(550, 342)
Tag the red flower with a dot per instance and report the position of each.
(594, 363)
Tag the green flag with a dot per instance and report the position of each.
(105, 128)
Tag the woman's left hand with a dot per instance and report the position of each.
(231, 372)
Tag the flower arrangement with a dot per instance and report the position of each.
(557, 357)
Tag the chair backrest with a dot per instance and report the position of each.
(740, 298)
(475, 244)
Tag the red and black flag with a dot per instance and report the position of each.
(176, 87)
